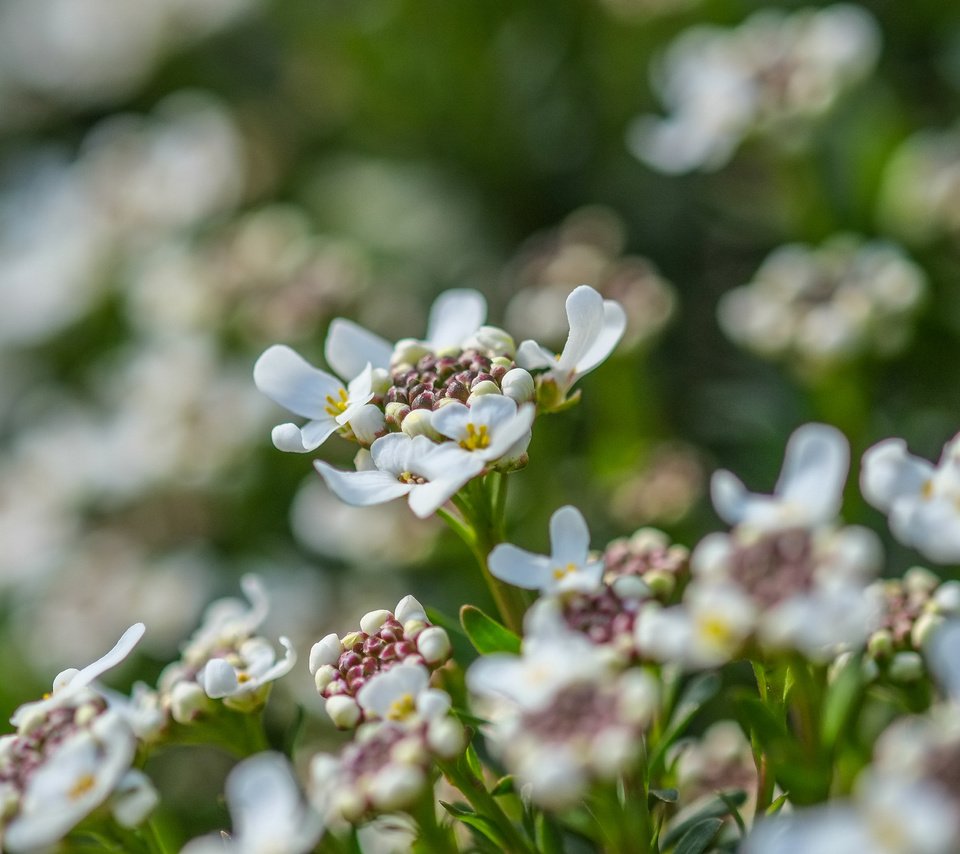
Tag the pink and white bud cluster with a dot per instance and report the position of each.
(342, 665)
(71, 755)
(647, 556)
(914, 607)
(388, 765)
(225, 659)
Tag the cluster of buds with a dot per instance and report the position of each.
(71, 754)
(913, 608)
(226, 660)
(388, 765)
(342, 666)
(650, 557)
(434, 381)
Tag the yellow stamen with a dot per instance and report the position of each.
(402, 708)
(410, 477)
(562, 571)
(717, 631)
(336, 407)
(927, 489)
(477, 438)
(243, 677)
(83, 784)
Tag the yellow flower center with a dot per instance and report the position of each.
(243, 677)
(927, 489)
(338, 406)
(477, 438)
(563, 571)
(402, 708)
(410, 477)
(717, 631)
(83, 784)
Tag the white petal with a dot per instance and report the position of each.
(569, 537)
(280, 668)
(584, 579)
(391, 453)
(444, 461)
(134, 798)
(361, 488)
(585, 316)
(814, 471)
(290, 380)
(408, 608)
(730, 497)
(378, 695)
(123, 647)
(531, 356)
(509, 434)
(519, 567)
(292, 439)
(943, 653)
(219, 679)
(930, 526)
(451, 420)
(614, 325)
(888, 472)
(454, 316)
(350, 347)
(427, 498)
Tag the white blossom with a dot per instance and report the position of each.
(490, 428)
(569, 566)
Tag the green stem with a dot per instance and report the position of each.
(432, 838)
(475, 791)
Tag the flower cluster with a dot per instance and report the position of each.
(71, 754)
(343, 667)
(435, 412)
(773, 74)
(828, 305)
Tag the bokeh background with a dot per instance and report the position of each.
(185, 182)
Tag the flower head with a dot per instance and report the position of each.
(920, 499)
(569, 566)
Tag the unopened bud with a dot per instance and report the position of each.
(379, 380)
(481, 388)
(408, 351)
(433, 644)
(906, 667)
(373, 620)
(492, 341)
(446, 737)
(324, 675)
(419, 422)
(631, 587)
(919, 579)
(946, 599)
(396, 414)
(660, 582)
(518, 385)
(325, 651)
(368, 424)
(351, 639)
(396, 786)
(188, 701)
(343, 711)
(880, 644)
(925, 625)
(409, 608)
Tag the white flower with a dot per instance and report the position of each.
(71, 782)
(489, 428)
(253, 666)
(568, 567)
(288, 379)
(269, 814)
(228, 621)
(428, 473)
(920, 500)
(403, 695)
(71, 682)
(454, 317)
(596, 326)
(809, 490)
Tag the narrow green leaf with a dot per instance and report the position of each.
(481, 824)
(486, 634)
(840, 703)
(778, 804)
(504, 786)
(716, 808)
(668, 796)
(698, 838)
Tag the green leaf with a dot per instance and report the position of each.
(698, 838)
(715, 809)
(778, 804)
(668, 796)
(481, 824)
(504, 786)
(486, 634)
(840, 703)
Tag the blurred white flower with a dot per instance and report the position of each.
(920, 499)
(828, 305)
(268, 811)
(773, 74)
(808, 492)
(569, 566)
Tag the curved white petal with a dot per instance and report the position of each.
(943, 653)
(383, 690)
(427, 498)
(531, 356)
(447, 461)
(121, 649)
(931, 526)
(361, 488)
(452, 420)
(391, 453)
(889, 472)
(349, 347)
(281, 667)
(290, 380)
(509, 434)
(519, 567)
(454, 316)
(585, 318)
(815, 467)
(292, 439)
(611, 331)
(729, 496)
(569, 536)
